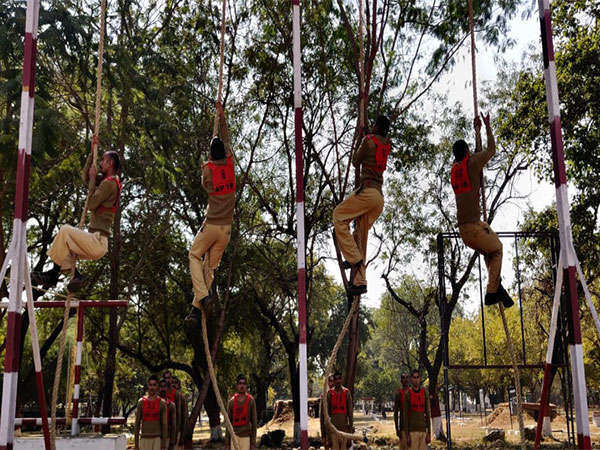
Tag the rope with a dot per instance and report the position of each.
(91, 187)
(328, 423)
(516, 377)
(213, 378)
(221, 58)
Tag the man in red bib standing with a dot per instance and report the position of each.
(417, 412)
(151, 419)
(340, 408)
(242, 413)
(366, 202)
(399, 417)
(73, 243)
(476, 234)
(218, 179)
(163, 388)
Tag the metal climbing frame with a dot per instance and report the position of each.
(443, 299)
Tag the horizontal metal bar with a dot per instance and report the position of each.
(496, 366)
(76, 304)
(62, 421)
(518, 234)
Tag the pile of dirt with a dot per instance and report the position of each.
(283, 412)
(501, 418)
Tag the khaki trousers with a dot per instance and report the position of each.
(243, 443)
(402, 445)
(205, 256)
(367, 205)
(338, 443)
(72, 243)
(417, 440)
(479, 236)
(152, 443)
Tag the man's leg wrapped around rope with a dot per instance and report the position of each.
(205, 255)
(479, 236)
(366, 202)
(70, 244)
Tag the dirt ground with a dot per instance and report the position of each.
(467, 432)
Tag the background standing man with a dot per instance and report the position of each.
(325, 436)
(241, 409)
(151, 419)
(163, 387)
(340, 408)
(417, 413)
(399, 417)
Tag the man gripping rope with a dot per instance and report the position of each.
(218, 179)
(72, 243)
(476, 234)
(366, 201)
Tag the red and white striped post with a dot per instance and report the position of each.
(17, 253)
(77, 380)
(300, 241)
(567, 249)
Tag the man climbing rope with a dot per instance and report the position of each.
(151, 418)
(241, 409)
(399, 417)
(341, 411)
(476, 234)
(325, 435)
(218, 179)
(72, 243)
(163, 387)
(417, 412)
(367, 200)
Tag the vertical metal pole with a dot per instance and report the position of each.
(77, 378)
(300, 240)
(564, 223)
(482, 311)
(524, 355)
(442, 294)
(17, 255)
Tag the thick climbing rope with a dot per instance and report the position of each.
(213, 379)
(328, 423)
(221, 58)
(511, 349)
(91, 187)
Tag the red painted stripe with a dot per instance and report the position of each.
(558, 153)
(303, 439)
(13, 331)
(573, 316)
(584, 442)
(302, 305)
(299, 156)
(111, 420)
(77, 374)
(75, 411)
(543, 404)
(39, 379)
(80, 323)
(31, 73)
(547, 38)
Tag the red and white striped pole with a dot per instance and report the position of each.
(18, 246)
(300, 241)
(567, 249)
(77, 378)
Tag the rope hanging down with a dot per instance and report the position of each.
(478, 147)
(91, 186)
(213, 379)
(221, 59)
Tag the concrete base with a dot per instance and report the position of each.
(106, 442)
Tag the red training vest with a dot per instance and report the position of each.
(171, 395)
(223, 177)
(459, 177)
(338, 402)
(113, 208)
(150, 409)
(381, 154)
(417, 400)
(240, 413)
(402, 391)
(168, 402)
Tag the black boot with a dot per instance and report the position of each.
(357, 289)
(504, 297)
(194, 317)
(348, 265)
(46, 279)
(79, 280)
(491, 298)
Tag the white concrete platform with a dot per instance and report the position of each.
(106, 442)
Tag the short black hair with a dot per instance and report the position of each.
(152, 378)
(460, 149)
(163, 380)
(116, 159)
(241, 376)
(337, 373)
(383, 125)
(217, 149)
(415, 371)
